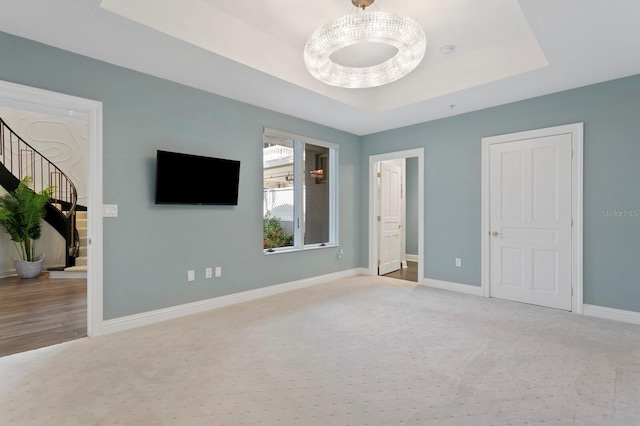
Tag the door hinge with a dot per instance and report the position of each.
(572, 291)
(379, 262)
(379, 218)
(572, 222)
(379, 174)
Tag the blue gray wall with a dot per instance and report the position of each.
(412, 205)
(611, 115)
(148, 249)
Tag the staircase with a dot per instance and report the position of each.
(19, 159)
(81, 260)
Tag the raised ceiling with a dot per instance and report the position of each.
(505, 50)
(269, 36)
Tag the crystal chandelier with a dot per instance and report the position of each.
(364, 26)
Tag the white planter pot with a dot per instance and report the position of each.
(26, 269)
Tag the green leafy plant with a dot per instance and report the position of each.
(273, 234)
(21, 213)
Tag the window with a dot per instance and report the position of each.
(299, 192)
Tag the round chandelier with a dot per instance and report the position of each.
(397, 31)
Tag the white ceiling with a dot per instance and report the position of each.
(505, 50)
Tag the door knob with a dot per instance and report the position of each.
(495, 233)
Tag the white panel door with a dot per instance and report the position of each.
(390, 250)
(530, 214)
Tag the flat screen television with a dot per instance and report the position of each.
(194, 179)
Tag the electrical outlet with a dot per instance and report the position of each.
(208, 273)
(191, 275)
(458, 262)
(218, 271)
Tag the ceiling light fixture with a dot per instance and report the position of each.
(374, 27)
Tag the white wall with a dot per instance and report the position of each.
(62, 140)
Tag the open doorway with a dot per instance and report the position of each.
(87, 311)
(50, 149)
(396, 219)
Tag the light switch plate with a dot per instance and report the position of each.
(110, 210)
(218, 271)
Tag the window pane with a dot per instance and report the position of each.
(316, 194)
(278, 193)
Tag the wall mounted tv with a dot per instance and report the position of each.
(193, 179)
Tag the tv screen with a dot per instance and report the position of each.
(194, 179)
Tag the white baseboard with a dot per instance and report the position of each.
(611, 313)
(151, 317)
(446, 285)
(5, 274)
(411, 257)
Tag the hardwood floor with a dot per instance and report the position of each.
(407, 274)
(40, 312)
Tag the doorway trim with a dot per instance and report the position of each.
(40, 100)
(373, 206)
(576, 130)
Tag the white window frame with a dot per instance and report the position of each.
(299, 225)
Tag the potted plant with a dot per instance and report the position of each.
(21, 213)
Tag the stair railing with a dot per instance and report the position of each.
(21, 160)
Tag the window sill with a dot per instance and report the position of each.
(294, 250)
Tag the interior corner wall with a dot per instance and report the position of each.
(149, 248)
(610, 113)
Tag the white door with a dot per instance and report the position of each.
(390, 249)
(530, 220)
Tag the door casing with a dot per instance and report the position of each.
(373, 207)
(576, 131)
(39, 100)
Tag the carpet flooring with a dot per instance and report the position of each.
(358, 351)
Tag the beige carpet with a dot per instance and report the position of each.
(359, 351)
